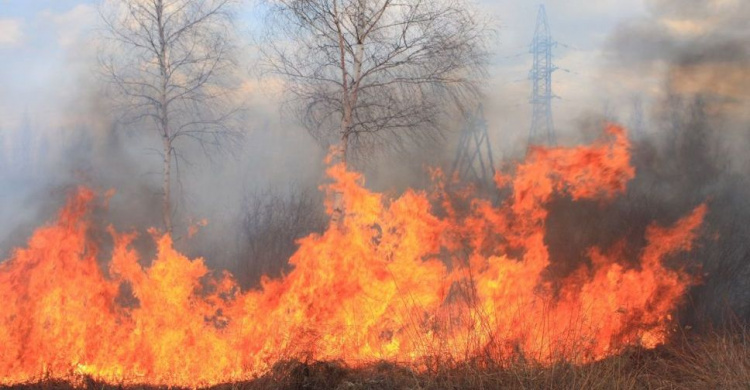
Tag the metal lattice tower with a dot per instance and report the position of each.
(542, 126)
(474, 155)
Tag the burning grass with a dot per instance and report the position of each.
(715, 361)
(443, 294)
(712, 360)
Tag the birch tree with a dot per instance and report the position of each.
(169, 64)
(368, 75)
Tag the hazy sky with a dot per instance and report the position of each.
(44, 51)
(47, 56)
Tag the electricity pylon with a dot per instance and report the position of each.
(542, 126)
(473, 160)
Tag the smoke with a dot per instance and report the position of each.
(700, 48)
(695, 148)
(73, 136)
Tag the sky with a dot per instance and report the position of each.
(609, 53)
(38, 50)
(44, 48)
(582, 29)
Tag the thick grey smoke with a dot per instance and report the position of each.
(87, 145)
(690, 32)
(701, 48)
(695, 149)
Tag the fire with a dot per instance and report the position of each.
(403, 279)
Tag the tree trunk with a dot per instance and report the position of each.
(337, 216)
(167, 186)
(350, 100)
(164, 108)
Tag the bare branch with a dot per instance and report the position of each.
(382, 71)
(169, 63)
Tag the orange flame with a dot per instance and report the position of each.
(398, 281)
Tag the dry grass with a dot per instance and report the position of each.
(715, 360)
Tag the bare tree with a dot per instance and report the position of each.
(169, 63)
(272, 223)
(374, 74)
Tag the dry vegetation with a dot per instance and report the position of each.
(714, 360)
